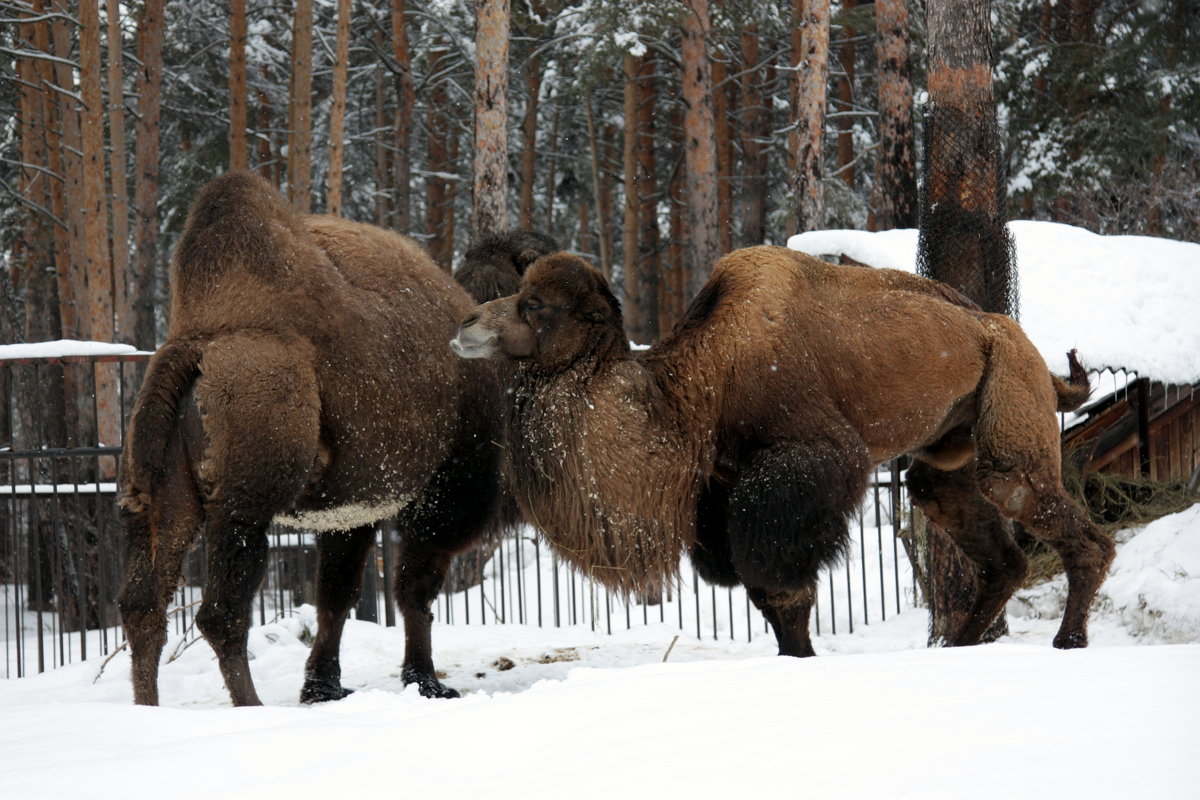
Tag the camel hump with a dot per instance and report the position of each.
(1075, 390)
(237, 222)
(171, 374)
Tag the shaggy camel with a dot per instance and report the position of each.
(303, 380)
(493, 267)
(746, 436)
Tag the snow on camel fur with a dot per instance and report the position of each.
(745, 437)
(304, 380)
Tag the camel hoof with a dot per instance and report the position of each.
(323, 691)
(429, 686)
(1070, 640)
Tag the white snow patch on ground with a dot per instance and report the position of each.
(64, 347)
(583, 715)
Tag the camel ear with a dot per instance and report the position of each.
(525, 258)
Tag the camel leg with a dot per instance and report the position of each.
(237, 562)
(420, 571)
(461, 504)
(952, 501)
(340, 558)
(1051, 515)
(788, 614)
(153, 560)
(1020, 472)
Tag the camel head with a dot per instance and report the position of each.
(564, 311)
(493, 267)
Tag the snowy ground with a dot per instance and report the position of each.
(567, 712)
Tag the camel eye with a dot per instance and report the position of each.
(533, 305)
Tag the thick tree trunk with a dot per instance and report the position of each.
(268, 164)
(239, 157)
(405, 102)
(300, 110)
(895, 193)
(700, 152)
(337, 112)
(122, 296)
(383, 178)
(808, 143)
(491, 118)
(145, 192)
(754, 131)
(963, 240)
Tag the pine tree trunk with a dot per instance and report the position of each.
(808, 144)
(533, 87)
(963, 240)
(724, 143)
(605, 264)
(894, 198)
(552, 168)
(300, 110)
(337, 112)
(145, 192)
(491, 118)
(122, 296)
(437, 163)
(640, 235)
(700, 152)
(239, 157)
(754, 131)
(405, 103)
(845, 124)
(72, 287)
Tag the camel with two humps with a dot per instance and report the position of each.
(304, 380)
(745, 437)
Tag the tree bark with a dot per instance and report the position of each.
(895, 193)
(724, 143)
(700, 152)
(533, 87)
(812, 78)
(300, 110)
(72, 284)
(605, 261)
(337, 112)
(145, 193)
(845, 124)
(641, 204)
(437, 162)
(491, 118)
(754, 131)
(963, 240)
(405, 103)
(123, 297)
(552, 168)
(239, 157)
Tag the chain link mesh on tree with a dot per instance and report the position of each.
(963, 241)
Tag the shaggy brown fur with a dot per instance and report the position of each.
(493, 267)
(747, 434)
(305, 380)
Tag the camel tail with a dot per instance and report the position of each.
(144, 463)
(237, 222)
(1075, 390)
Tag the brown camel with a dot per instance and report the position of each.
(746, 436)
(304, 380)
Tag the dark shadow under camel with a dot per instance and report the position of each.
(745, 437)
(304, 380)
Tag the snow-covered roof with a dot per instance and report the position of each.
(1125, 302)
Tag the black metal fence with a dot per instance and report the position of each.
(61, 546)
